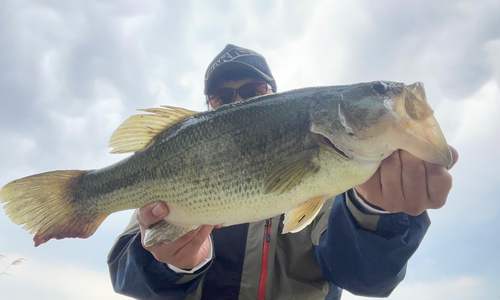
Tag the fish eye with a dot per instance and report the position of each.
(380, 87)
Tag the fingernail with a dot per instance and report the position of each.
(157, 210)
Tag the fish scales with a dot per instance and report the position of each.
(281, 153)
(202, 168)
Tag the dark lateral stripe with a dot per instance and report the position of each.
(223, 279)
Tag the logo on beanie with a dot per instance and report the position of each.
(230, 55)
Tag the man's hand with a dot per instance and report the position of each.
(404, 183)
(186, 252)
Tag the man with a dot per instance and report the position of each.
(360, 241)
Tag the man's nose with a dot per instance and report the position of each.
(238, 98)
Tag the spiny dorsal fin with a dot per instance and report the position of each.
(137, 131)
(302, 215)
(290, 171)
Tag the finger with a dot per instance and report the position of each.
(191, 249)
(391, 182)
(439, 183)
(165, 252)
(185, 252)
(414, 184)
(371, 188)
(454, 154)
(152, 213)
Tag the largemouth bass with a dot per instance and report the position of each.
(244, 162)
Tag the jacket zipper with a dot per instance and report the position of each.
(265, 258)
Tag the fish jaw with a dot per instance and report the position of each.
(367, 122)
(417, 130)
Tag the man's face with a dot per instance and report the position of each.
(236, 85)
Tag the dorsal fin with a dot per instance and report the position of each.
(137, 131)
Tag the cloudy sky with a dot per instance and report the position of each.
(72, 71)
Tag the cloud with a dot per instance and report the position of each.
(418, 42)
(446, 289)
(71, 72)
(52, 280)
(471, 126)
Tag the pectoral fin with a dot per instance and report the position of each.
(137, 131)
(289, 172)
(302, 215)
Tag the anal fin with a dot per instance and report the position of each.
(162, 231)
(302, 215)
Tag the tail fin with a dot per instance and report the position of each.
(43, 203)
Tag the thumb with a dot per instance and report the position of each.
(454, 154)
(152, 213)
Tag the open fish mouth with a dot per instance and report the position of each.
(418, 131)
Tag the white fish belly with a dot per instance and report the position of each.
(336, 175)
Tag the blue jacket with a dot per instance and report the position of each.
(344, 248)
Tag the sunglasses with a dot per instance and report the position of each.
(228, 95)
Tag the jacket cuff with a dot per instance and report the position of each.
(158, 273)
(386, 225)
(365, 220)
(360, 202)
(205, 261)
